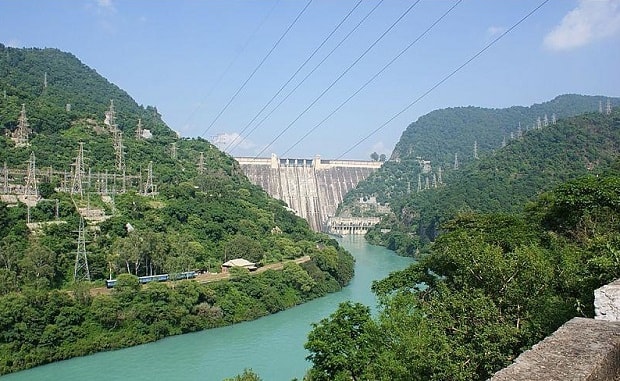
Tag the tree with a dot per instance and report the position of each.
(342, 346)
(374, 156)
(382, 157)
(248, 375)
(38, 265)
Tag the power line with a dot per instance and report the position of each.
(313, 70)
(340, 76)
(444, 79)
(296, 72)
(232, 62)
(258, 66)
(374, 76)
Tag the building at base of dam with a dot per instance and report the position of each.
(313, 188)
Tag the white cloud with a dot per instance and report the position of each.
(223, 140)
(379, 147)
(589, 21)
(14, 43)
(494, 31)
(106, 5)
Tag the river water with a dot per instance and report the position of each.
(272, 346)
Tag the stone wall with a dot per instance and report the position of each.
(607, 302)
(581, 350)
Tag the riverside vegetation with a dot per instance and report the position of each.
(201, 215)
(512, 247)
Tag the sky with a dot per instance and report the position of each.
(218, 69)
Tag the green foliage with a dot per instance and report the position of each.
(491, 286)
(71, 325)
(247, 375)
(197, 218)
(343, 345)
(504, 180)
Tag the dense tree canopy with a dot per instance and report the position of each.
(504, 180)
(199, 211)
(491, 286)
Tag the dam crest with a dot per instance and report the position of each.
(312, 188)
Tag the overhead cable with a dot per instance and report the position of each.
(444, 79)
(232, 62)
(373, 77)
(312, 71)
(257, 67)
(339, 77)
(295, 73)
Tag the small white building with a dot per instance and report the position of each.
(238, 262)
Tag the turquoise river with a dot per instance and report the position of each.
(272, 346)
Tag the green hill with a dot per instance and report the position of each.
(502, 180)
(153, 204)
(437, 136)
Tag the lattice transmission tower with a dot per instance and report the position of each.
(5, 182)
(173, 151)
(22, 132)
(78, 173)
(149, 187)
(119, 152)
(475, 149)
(201, 163)
(80, 271)
(31, 190)
(139, 129)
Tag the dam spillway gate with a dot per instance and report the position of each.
(313, 188)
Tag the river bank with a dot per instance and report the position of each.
(271, 345)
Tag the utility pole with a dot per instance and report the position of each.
(440, 176)
(608, 107)
(419, 182)
(456, 161)
(600, 107)
(504, 142)
(80, 271)
(553, 118)
(475, 149)
(545, 121)
(45, 80)
(538, 123)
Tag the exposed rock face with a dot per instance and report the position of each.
(607, 302)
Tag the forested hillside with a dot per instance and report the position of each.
(465, 132)
(491, 287)
(152, 203)
(502, 180)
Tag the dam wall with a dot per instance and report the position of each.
(313, 188)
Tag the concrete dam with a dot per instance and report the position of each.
(313, 188)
